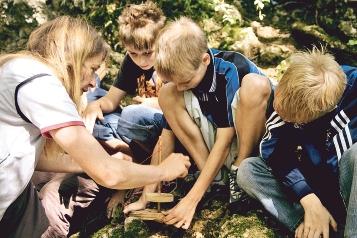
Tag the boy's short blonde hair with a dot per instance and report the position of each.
(179, 49)
(140, 24)
(311, 87)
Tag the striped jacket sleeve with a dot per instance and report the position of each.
(345, 128)
(344, 123)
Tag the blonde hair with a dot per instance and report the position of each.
(139, 25)
(311, 87)
(179, 49)
(64, 44)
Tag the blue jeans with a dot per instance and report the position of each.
(133, 122)
(256, 178)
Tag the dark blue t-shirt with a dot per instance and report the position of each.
(134, 80)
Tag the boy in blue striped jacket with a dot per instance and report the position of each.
(307, 178)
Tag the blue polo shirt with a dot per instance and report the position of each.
(216, 91)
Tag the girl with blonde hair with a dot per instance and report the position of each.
(40, 92)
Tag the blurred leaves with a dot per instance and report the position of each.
(259, 5)
(16, 23)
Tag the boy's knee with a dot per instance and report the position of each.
(354, 152)
(133, 108)
(351, 155)
(169, 96)
(245, 172)
(133, 113)
(254, 87)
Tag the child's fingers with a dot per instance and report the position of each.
(89, 125)
(187, 163)
(166, 212)
(333, 223)
(100, 115)
(134, 207)
(179, 224)
(186, 225)
(138, 99)
(299, 231)
(171, 220)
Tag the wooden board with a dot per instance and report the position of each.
(159, 197)
(148, 214)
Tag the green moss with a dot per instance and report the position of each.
(136, 229)
(118, 216)
(109, 231)
(244, 226)
(319, 34)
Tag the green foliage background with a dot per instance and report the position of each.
(334, 18)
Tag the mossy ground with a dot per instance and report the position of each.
(213, 218)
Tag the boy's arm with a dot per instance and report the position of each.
(111, 101)
(181, 215)
(214, 162)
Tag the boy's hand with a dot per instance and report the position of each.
(91, 113)
(181, 215)
(316, 220)
(175, 165)
(116, 199)
(138, 99)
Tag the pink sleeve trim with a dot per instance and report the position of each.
(45, 131)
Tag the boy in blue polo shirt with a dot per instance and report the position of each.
(200, 105)
(309, 149)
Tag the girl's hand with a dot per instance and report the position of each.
(90, 114)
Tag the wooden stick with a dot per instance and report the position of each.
(160, 148)
(148, 214)
(159, 197)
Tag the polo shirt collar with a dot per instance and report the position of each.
(208, 83)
